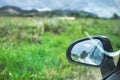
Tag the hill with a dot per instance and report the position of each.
(15, 11)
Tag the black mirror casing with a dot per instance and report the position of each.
(107, 66)
(106, 45)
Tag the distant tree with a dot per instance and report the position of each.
(115, 16)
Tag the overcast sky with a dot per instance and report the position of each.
(104, 8)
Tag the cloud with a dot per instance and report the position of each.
(102, 8)
(106, 12)
(54, 4)
(44, 9)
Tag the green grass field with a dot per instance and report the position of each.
(35, 48)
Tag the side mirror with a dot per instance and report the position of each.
(86, 52)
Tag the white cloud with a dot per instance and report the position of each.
(106, 12)
(44, 9)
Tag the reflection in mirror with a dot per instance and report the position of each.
(87, 52)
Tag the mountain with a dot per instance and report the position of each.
(9, 10)
(15, 11)
(75, 13)
(12, 10)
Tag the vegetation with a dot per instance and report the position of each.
(35, 48)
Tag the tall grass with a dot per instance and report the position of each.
(35, 48)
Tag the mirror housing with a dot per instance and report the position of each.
(84, 49)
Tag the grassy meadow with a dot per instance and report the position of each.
(34, 48)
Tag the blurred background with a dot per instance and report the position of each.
(34, 36)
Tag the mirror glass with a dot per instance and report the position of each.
(87, 52)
